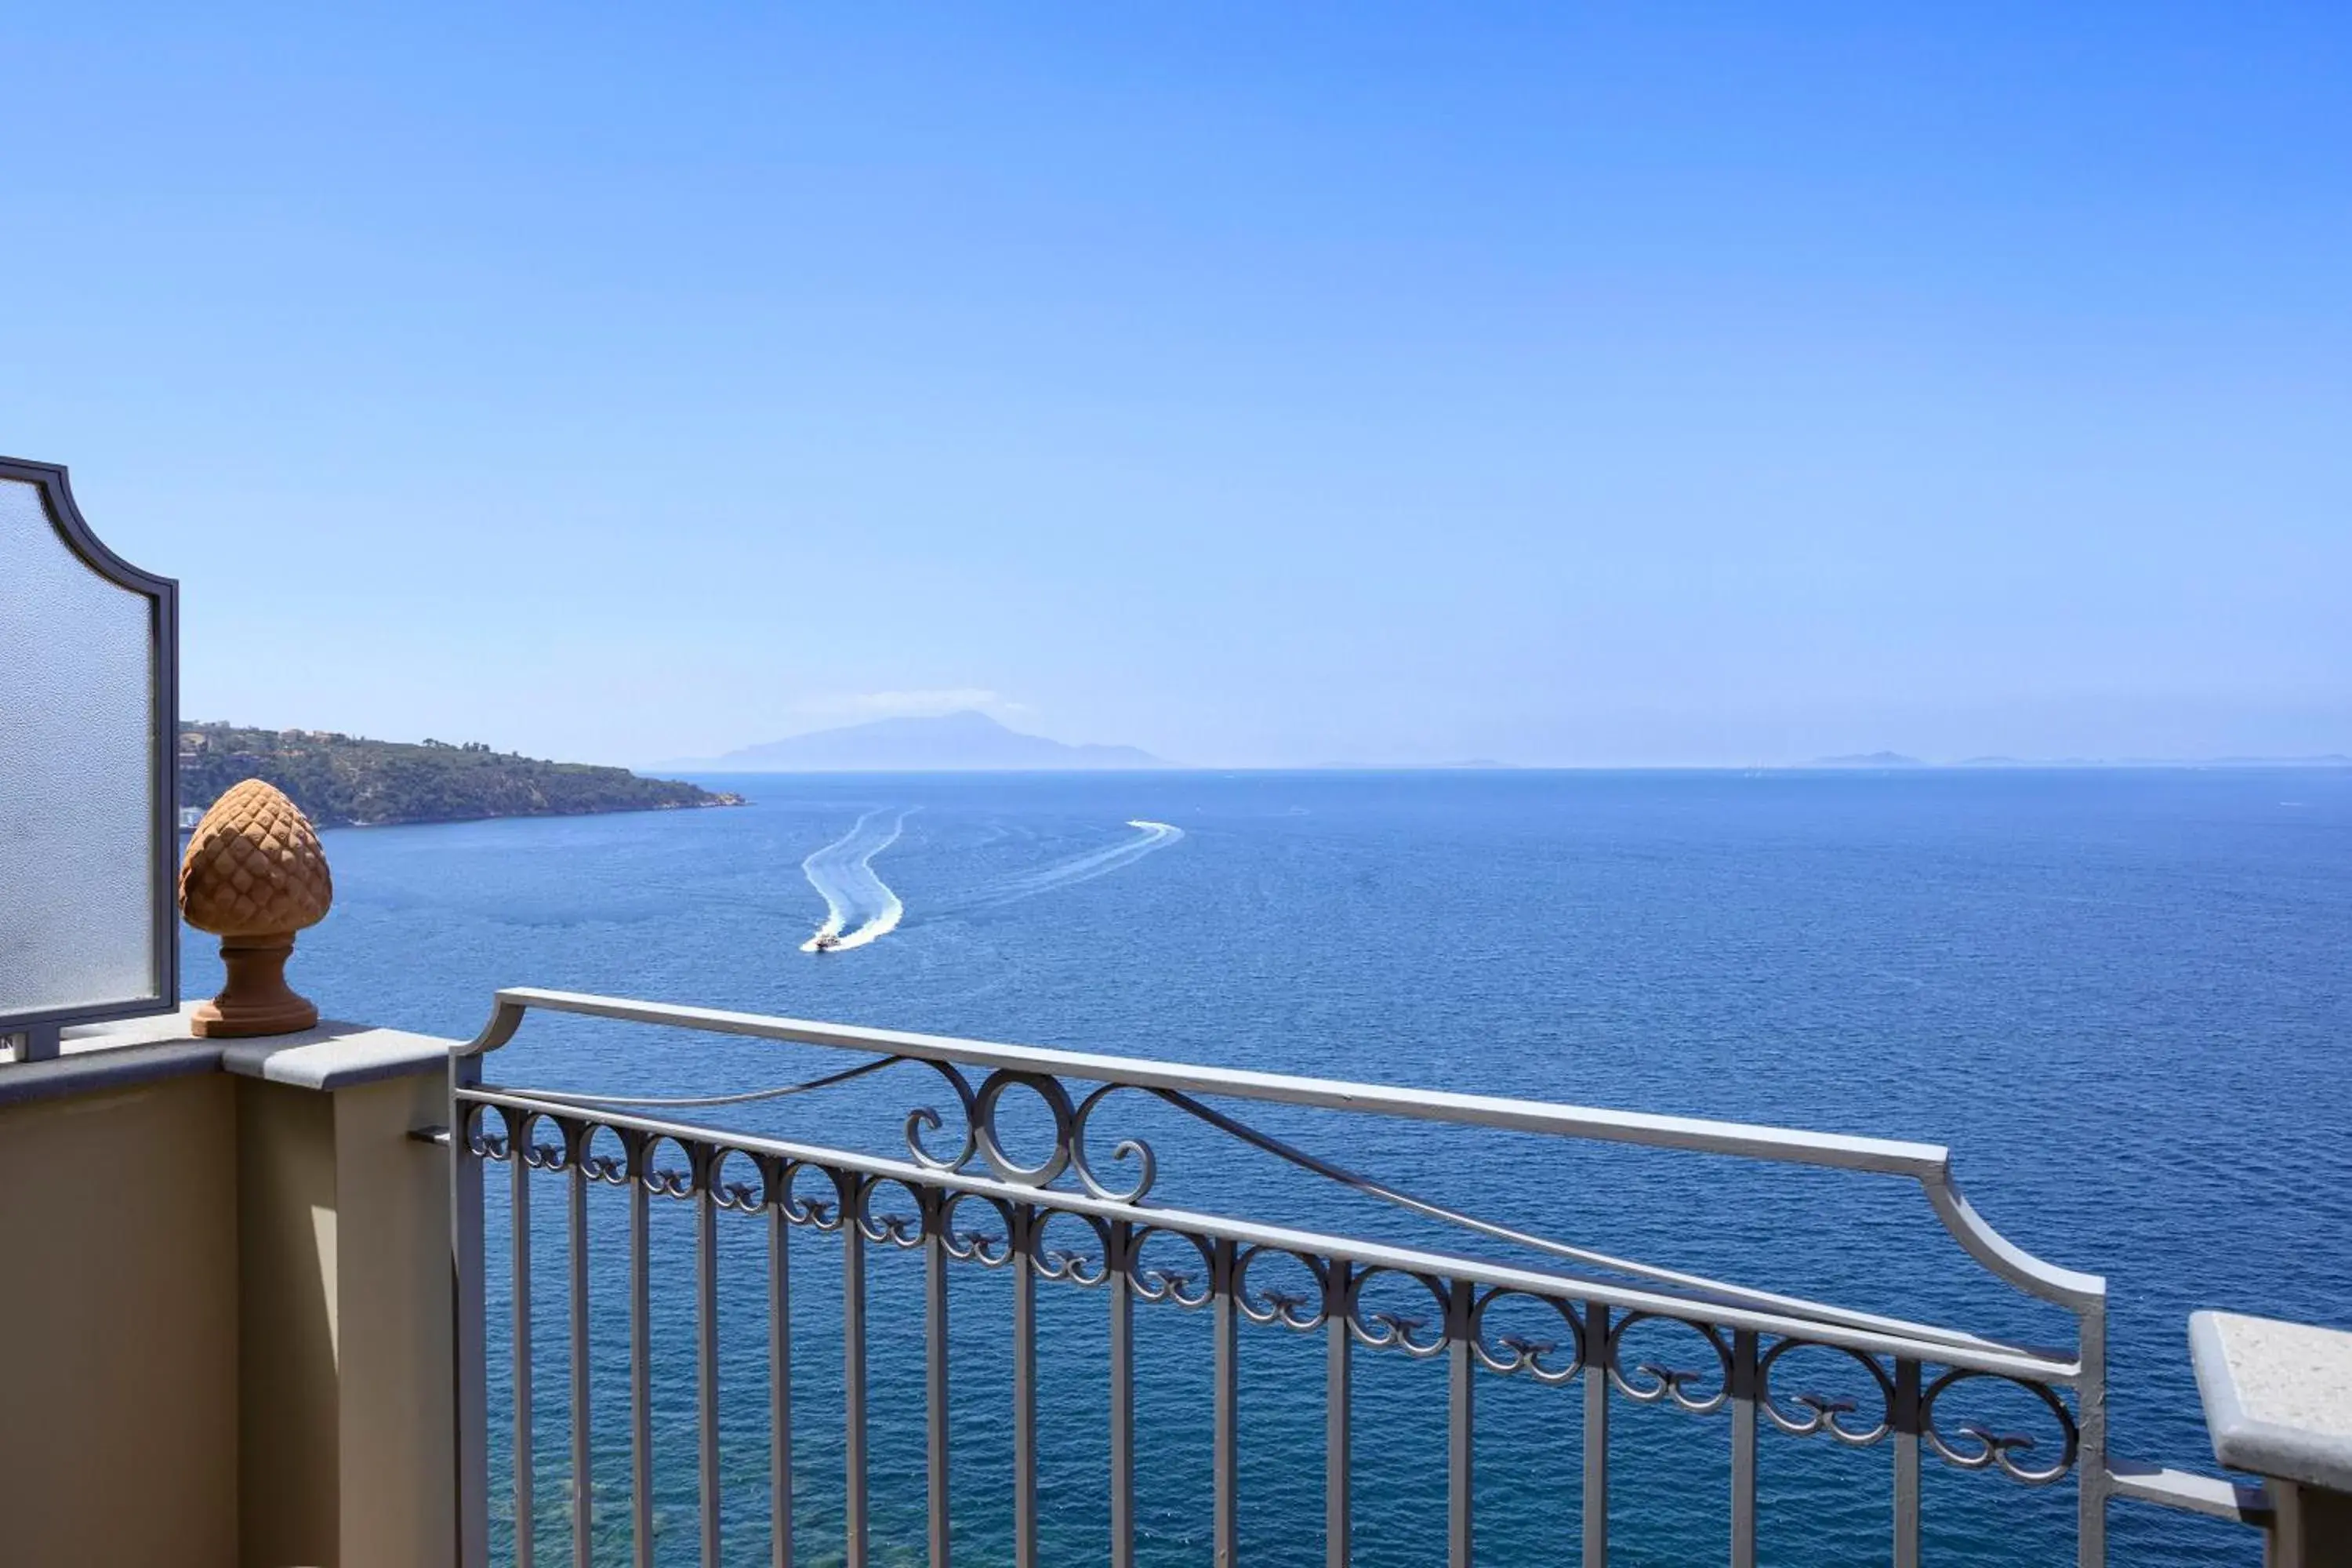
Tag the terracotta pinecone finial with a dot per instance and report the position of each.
(254, 875)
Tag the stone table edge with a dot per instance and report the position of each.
(2243, 1442)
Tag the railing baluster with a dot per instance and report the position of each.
(935, 1366)
(706, 1348)
(853, 1367)
(584, 1490)
(466, 1269)
(1906, 1463)
(780, 1372)
(1462, 1369)
(1596, 1435)
(1337, 1344)
(525, 1546)
(641, 1360)
(1118, 1262)
(1024, 1388)
(1225, 1324)
(2090, 1479)
(1743, 1448)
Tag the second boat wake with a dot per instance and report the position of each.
(1148, 837)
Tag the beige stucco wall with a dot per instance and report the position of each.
(225, 1323)
(288, 1425)
(345, 1393)
(119, 1327)
(397, 1469)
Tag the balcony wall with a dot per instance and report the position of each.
(225, 1322)
(120, 1323)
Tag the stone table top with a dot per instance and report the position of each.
(2278, 1397)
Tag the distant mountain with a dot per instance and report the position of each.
(1870, 760)
(952, 743)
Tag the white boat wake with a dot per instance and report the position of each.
(860, 908)
(1086, 868)
(859, 905)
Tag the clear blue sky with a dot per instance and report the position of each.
(1254, 383)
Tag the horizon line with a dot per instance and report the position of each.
(2313, 762)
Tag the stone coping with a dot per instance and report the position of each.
(132, 1052)
(2278, 1397)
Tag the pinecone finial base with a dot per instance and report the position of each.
(256, 1000)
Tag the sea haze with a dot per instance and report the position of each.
(2120, 997)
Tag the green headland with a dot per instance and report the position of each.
(344, 781)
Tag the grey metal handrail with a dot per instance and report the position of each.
(1748, 1331)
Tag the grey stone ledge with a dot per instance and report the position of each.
(145, 1050)
(2278, 1397)
(126, 1066)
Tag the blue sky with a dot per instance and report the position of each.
(1258, 384)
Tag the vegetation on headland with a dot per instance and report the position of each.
(343, 781)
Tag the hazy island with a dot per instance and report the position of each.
(343, 781)
(967, 741)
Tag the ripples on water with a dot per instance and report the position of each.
(2120, 998)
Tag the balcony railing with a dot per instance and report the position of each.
(955, 1194)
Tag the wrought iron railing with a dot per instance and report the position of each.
(967, 1200)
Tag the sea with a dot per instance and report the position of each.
(2120, 997)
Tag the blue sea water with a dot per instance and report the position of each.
(2120, 997)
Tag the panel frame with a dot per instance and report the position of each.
(39, 1028)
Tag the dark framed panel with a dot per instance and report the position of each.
(35, 1028)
